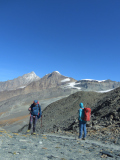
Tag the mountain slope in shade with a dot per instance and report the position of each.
(20, 82)
(105, 109)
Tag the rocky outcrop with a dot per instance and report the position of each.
(63, 114)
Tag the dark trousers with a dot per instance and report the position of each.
(33, 120)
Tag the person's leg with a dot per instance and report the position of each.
(85, 131)
(34, 123)
(30, 122)
(80, 130)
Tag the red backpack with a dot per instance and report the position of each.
(87, 114)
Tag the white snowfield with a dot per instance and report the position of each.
(57, 72)
(93, 80)
(22, 87)
(72, 85)
(65, 80)
(105, 91)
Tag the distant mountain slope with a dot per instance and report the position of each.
(54, 79)
(94, 85)
(30, 83)
(19, 82)
(50, 80)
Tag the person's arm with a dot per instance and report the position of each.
(80, 114)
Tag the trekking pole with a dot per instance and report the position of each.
(41, 121)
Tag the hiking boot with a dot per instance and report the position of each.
(83, 138)
(34, 133)
(28, 130)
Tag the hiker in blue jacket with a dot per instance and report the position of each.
(82, 123)
(35, 113)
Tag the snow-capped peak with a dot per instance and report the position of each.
(56, 72)
(31, 76)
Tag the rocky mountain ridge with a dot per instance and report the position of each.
(95, 85)
(56, 79)
(20, 82)
(52, 80)
(32, 83)
(60, 80)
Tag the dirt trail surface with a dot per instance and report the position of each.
(53, 147)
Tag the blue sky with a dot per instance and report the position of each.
(78, 38)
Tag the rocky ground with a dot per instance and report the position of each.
(54, 147)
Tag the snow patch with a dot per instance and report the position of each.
(72, 85)
(105, 91)
(57, 72)
(93, 80)
(22, 87)
(65, 80)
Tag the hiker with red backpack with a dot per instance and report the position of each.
(84, 116)
(35, 113)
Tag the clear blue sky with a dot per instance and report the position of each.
(78, 38)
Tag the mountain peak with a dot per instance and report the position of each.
(31, 76)
(20, 82)
(56, 72)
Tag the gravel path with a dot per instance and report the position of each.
(53, 147)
